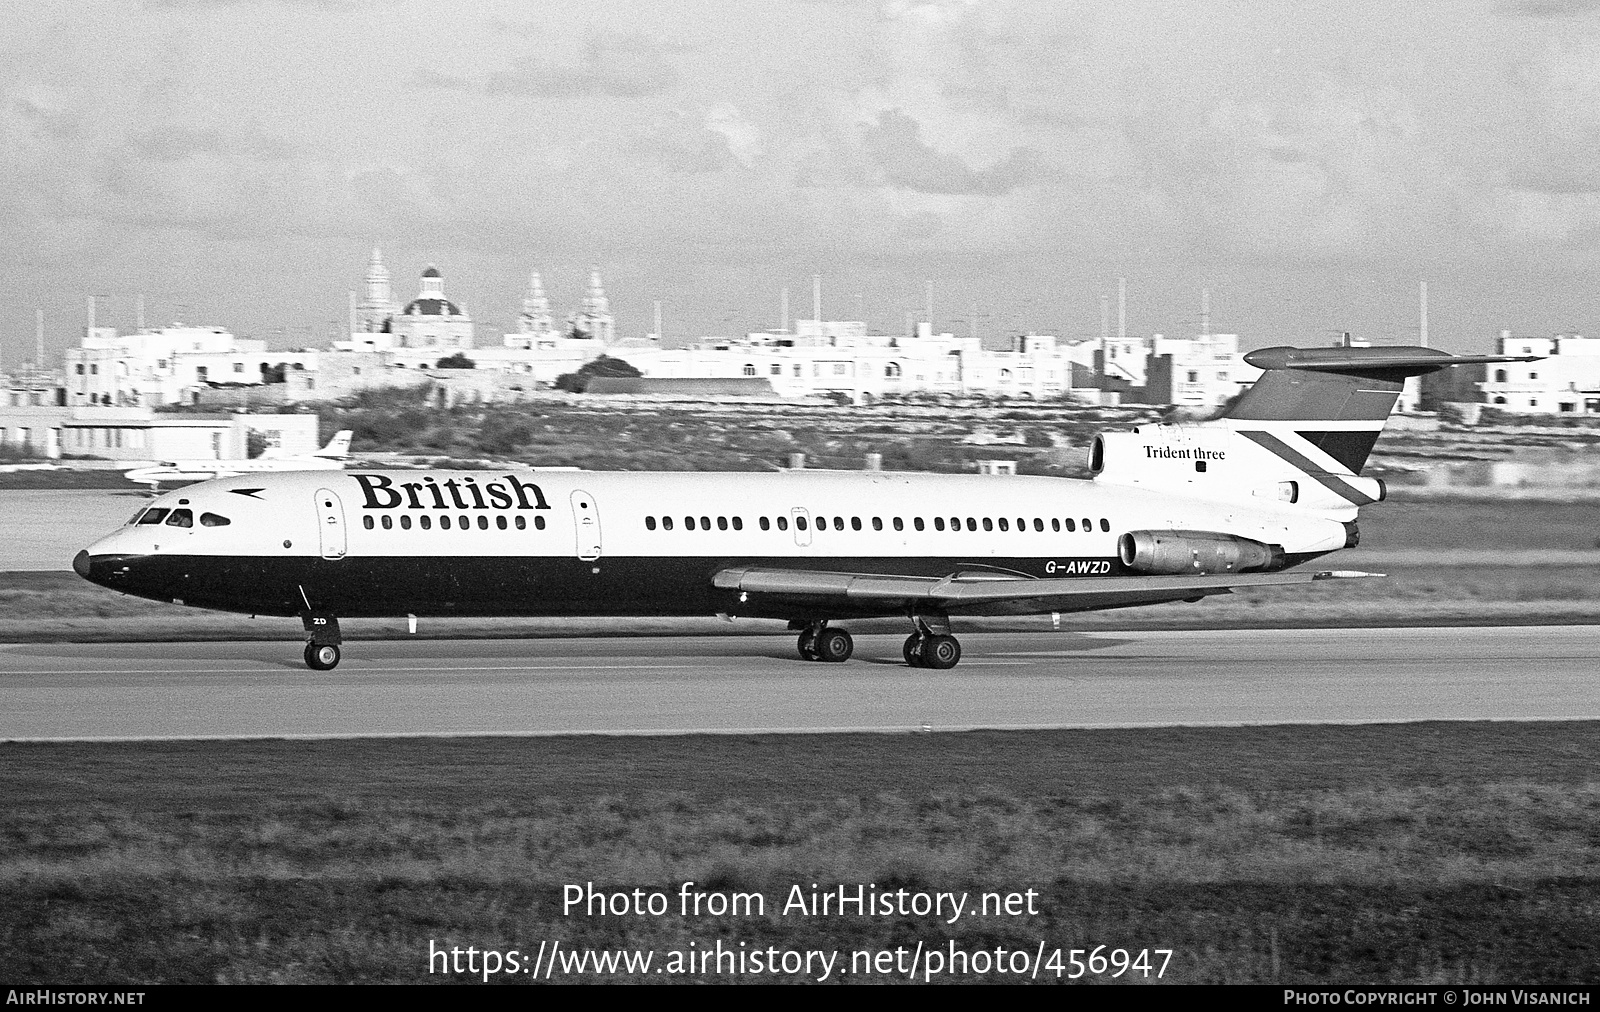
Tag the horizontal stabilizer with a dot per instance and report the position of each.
(1387, 363)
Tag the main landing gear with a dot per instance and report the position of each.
(322, 640)
(931, 646)
(820, 643)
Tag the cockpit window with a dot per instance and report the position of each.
(154, 515)
(136, 515)
(181, 518)
(214, 520)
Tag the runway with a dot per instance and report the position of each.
(753, 684)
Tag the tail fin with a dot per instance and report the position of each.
(1337, 398)
(338, 446)
(1300, 435)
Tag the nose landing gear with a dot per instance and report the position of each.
(322, 640)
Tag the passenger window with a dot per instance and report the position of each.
(766, 524)
(1038, 524)
(466, 523)
(405, 522)
(181, 518)
(427, 521)
(783, 523)
(666, 523)
(799, 523)
(855, 524)
(1005, 525)
(838, 523)
(738, 523)
(483, 522)
(988, 524)
(938, 523)
(1022, 524)
(917, 523)
(1072, 525)
(972, 524)
(499, 522)
(1055, 525)
(1088, 525)
(899, 525)
(365, 522)
(722, 523)
(877, 523)
(154, 515)
(387, 521)
(538, 523)
(1105, 525)
(522, 524)
(649, 523)
(705, 523)
(444, 522)
(688, 523)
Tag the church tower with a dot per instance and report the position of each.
(379, 305)
(535, 316)
(594, 320)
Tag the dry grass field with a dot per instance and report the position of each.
(1420, 853)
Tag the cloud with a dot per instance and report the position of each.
(329, 5)
(895, 145)
(1554, 8)
(177, 144)
(618, 65)
(57, 125)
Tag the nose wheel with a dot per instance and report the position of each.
(322, 640)
(322, 658)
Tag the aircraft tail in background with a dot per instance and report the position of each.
(338, 446)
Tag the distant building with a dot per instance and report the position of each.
(1566, 381)
(170, 365)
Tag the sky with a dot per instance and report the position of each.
(1308, 164)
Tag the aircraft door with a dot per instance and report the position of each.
(801, 519)
(586, 520)
(330, 524)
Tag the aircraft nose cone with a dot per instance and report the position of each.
(80, 564)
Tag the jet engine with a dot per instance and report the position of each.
(1195, 553)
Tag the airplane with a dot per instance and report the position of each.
(330, 457)
(1173, 512)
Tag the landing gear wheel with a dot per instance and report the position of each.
(912, 651)
(808, 646)
(940, 652)
(322, 658)
(834, 645)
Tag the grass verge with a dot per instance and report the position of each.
(1426, 852)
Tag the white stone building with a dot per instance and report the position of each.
(1566, 381)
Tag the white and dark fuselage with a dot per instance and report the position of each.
(1175, 512)
(487, 543)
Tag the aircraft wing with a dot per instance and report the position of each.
(988, 593)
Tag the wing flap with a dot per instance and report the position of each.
(981, 593)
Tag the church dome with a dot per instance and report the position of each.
(431, 300)
(432, 307)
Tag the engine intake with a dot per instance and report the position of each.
(1195, 553)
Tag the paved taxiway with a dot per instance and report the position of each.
(755, 683)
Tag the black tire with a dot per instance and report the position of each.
(912, 651)
(941, 652)
(835, 646)
(322, 658)
(808, 646)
